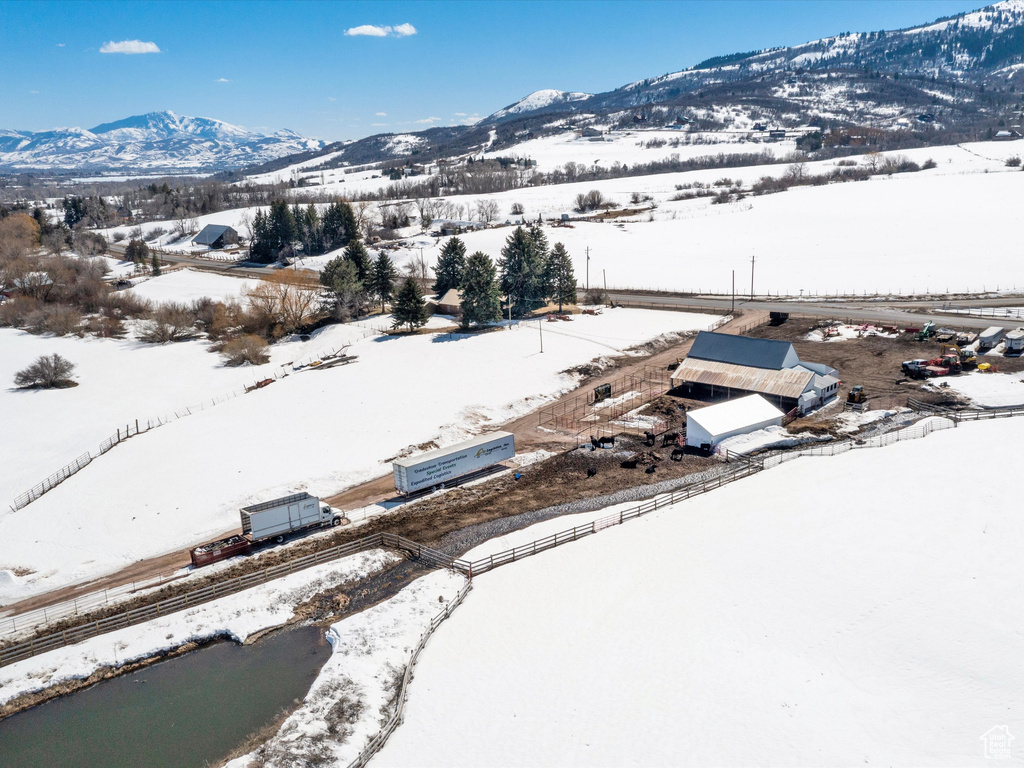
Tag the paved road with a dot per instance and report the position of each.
(230, 268)
(883, 311)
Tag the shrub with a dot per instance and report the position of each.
(171, 322)
(118, 237)
(58, 319)
(929, 164)
(90, 244)
(517, 209)
(248, 349)
(46, 372)
(1013, 162)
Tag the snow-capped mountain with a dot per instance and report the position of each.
(157, 140)
(539, 100)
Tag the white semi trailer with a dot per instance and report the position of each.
(434, 468)
(273, 519)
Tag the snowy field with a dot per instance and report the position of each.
(989, 389)
(800, 630)
(905, 233)
(118, 381)
(317, 430)
(187, 285)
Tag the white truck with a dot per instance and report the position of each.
(278, 517)
(435, 468)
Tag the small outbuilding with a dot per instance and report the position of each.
(707, 427)
(216, 236)
(450, 303)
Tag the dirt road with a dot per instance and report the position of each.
(528, 438)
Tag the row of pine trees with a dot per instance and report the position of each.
(529, 274)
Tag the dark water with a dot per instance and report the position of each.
(182, 712)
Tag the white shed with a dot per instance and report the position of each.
(710, 426)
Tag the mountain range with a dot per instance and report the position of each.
(952, 79)
(154, 141)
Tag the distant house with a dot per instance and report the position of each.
(1010, 135)
(926, 117)
(776, 134)
(591, 133)
(123, 213)
(215, 236)
(450, 303)
(760, 127)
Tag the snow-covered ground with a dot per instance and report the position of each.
(769, 437)
(989, 389)
(239, 616)
(119, 381)
(317, 430)
(187, 285)
(756, 625)
(914, 241)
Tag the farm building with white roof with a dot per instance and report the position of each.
(722, 366)
(707, 427)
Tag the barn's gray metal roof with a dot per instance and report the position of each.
(210, 233)
(789, 382)
(740, 350)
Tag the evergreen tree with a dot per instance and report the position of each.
(355, 252)
(522, 271)
(260, 249)
(540, 245)
(409, 308)
(339, 225)
(156, 266)
(382, 281)
(347, 298)
(560, 277)
(282, 228)
(137, 251)
(450, 266)
(481, 301)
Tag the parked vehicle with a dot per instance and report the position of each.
(205, 554)
(991, 337)
(435, 468)
(1013, 342)
(276, 518)
(856, 395)
(916, 369)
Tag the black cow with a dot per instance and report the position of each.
(628, 464)
(610, 440)
(668, 438)
(649, 438)
(591, 471)
(677, 454)
(649, 470)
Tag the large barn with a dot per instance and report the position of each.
(721, 366)
(215, 236)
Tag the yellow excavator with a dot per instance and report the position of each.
(967, 357)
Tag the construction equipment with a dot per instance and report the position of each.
(857, 395)
(946, 365)
(967, 357)
(927, 331)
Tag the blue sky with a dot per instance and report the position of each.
(303, 65)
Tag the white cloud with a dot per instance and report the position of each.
(377, 30)
(34, 93)
(381, 114)
(331, 98)
(427, 120)
(459, 114)
(129, 46)
(377, 125)
(60, 45)
(222, 80)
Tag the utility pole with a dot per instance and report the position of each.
(540, 326)
(588, 268)
(732, 306)
(751, 277)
